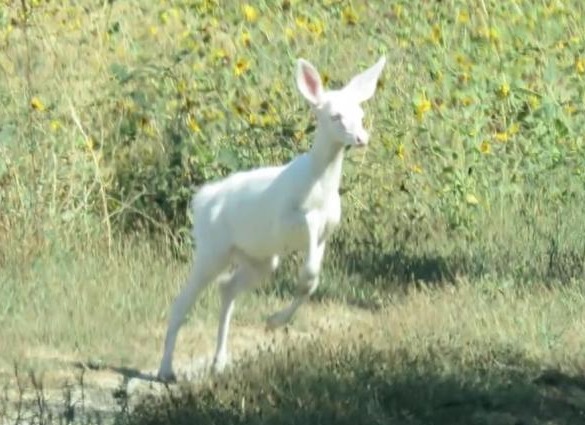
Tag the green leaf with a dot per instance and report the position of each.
(550, 73)
(120, 72)
(561, 126)
(228, 158)
(140, 98)
(7, 134)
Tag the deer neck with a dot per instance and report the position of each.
(327, 161)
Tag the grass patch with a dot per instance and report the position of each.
(466, 355)
(361, 385)
(80, 301)
(477, 353)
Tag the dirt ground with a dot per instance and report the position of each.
(68, 380)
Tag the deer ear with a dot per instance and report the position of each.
(309, 82)
(363, 86)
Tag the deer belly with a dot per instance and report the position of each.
(263, 239)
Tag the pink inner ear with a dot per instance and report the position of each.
(311, 81)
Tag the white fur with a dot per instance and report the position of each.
(251, 218)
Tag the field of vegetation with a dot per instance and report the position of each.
(453, 292)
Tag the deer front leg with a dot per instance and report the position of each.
(308, 280)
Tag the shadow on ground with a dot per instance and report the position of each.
(402, 268)
(365, 386)
(319, 383)
(127, 373)
(380, 273)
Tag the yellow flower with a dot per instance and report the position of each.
(126, 105)
(192, 124)
(220, 54)
(485, 147)
(467, 100)
(89, 143)
(253, 118)
(289, 33)
(436, 34)
(422, 107)
(174, 12)
(553, 8)
(4, 34)
(301, 22)
(207, 6)
(153, 30)
(349, 16)
(55, 125)
(250, 13)
(269, 119)
(570, 109)
(316, 28)
(36, 104)
(241, 66)
(580, 65)
(502, 136)
(149, 130)
(397, 10)
(471, 199)
(514, 129)
(490, 34)
(400, 151)
(181, 86)
(189, 42)
(504, 90)
(239, 107)
(416, 169)
(462, 17)
(533, 102)
(246, 38)
(147, 126)
(494, 35)
(463, 61)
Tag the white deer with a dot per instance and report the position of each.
(249, 219)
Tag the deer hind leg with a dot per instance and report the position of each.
(207, 265)
(248, 273)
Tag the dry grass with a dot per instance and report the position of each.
(479, 326)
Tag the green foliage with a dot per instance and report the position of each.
(477, 124)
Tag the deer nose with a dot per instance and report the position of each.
(361, 139)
